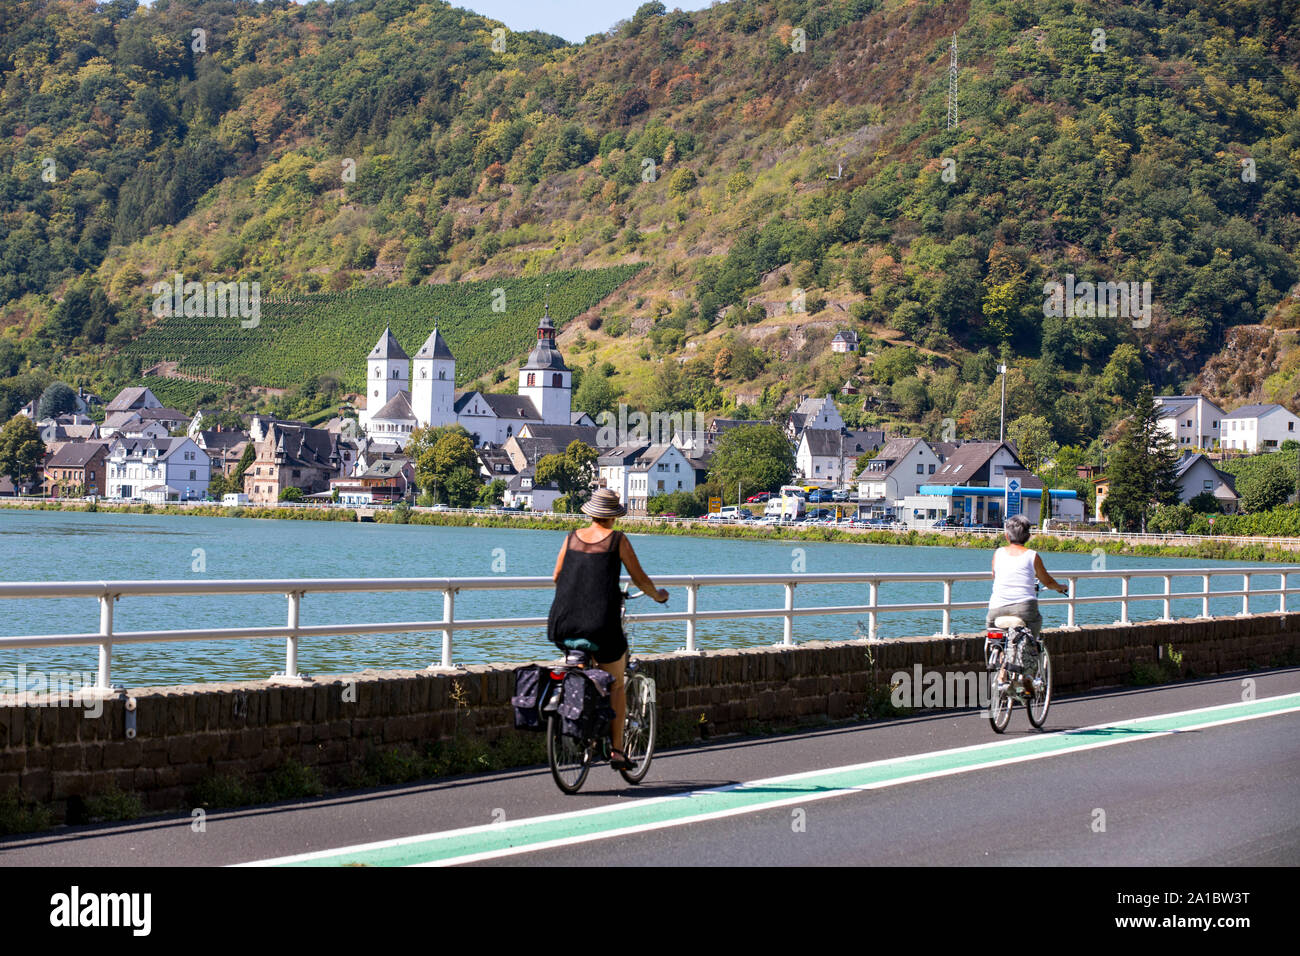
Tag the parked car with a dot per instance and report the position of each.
(759, 498)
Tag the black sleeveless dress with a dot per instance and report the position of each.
(586, 610)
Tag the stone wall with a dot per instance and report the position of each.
(184, 734)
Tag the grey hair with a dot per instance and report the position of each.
(1017, 528)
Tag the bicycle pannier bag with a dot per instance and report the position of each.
(529, 684)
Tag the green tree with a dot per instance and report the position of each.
(1123, 375)
(573, 471)
(437, 452)
(491, 494)
(1033, 439)
(462, 487)
(595, 394)
(911, 397)
(245, 462)
(1205, 504)
(290, 493)
(682, 182)
(57, 399)
(21, 450)
(1266, 486)
(1142, 467)
(219, 485)
(755, 457)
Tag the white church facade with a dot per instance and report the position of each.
(403, 394)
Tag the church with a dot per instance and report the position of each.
(403, 394)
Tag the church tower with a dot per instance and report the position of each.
(433, 383)
(387, 367)
(545, 379)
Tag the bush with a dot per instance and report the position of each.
(1171, 518)
(681, 503)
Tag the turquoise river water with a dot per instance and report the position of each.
(76, 546)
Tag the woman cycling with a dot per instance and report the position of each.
(585, 614)
(1015, 570)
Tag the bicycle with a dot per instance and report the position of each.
(1007, 670)
(570, 758)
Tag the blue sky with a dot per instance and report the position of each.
(575, 20)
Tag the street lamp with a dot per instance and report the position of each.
(1002, 415)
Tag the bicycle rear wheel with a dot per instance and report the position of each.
(569, 757)
(639, 729)
(999, 698)
(1042, 692)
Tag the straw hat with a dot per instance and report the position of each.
(604, 504)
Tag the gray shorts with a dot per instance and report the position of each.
(1027, 611)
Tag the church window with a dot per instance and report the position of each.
(442, 374)
(378, 374)
(424, 373)
(557, 380)
(531, 379)
(394, 373)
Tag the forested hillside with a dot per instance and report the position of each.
(781, 170)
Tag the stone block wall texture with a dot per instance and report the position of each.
(55, 754)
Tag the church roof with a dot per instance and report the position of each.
(387, 348)
(502, 406)
(396, 409)
(435, 346)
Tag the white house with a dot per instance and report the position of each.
(658, 470)
(614, 466)
(167, 467)
(814, 413)
(899, 469)
(845, 341)
(825, 455)
(1192, 421)
(1256, 428)
(130, 424)
(521, 492)
(1196, 475)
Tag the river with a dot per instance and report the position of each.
(79, 546)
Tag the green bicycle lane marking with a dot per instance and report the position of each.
(535, 833)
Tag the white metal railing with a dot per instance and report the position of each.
(294, 590)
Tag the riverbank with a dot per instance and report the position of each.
(1261, 550)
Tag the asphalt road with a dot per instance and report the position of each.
(1105, 785)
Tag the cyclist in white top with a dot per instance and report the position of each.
(1015, 569)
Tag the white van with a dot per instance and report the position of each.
(234, 500)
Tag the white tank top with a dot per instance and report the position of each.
(1013, 578)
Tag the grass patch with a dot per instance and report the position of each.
(112, 805)
(1166, 668)
(19, 815)
(291, 780)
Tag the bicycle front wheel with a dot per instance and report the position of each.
(639, 728)
(1042, 691)
(569, 757)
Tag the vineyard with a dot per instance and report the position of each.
(182, 394)
(486, 324)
